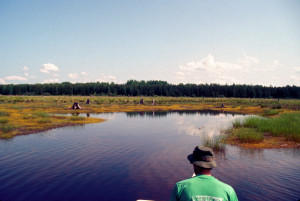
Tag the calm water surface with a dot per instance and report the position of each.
(137, 156)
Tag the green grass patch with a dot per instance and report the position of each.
(44, 120)
(249, 135)
(17, 107)
(286, 125)
(29, 116)
(4, 121)
(237, 123)
(76, 118)
(270, 112)
(4, 114)
(41, 114)
(216, 143)
(7, 128)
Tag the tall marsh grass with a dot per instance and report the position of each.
(270, 112)
(216, 143)
(249, 135)
(286, 125)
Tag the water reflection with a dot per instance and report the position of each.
(180, 112)
(251, 153)
(132, 157)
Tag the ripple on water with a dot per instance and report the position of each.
(135, 158)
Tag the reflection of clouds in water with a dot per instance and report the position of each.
(107, 116)
(208, 126)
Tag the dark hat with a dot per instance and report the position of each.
(202, 157)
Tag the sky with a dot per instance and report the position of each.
(255, 42)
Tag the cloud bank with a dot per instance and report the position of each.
(15, 77)
(248, 70)
(49, 68)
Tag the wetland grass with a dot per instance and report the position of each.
(4, 120)
(77, 118)
(44, 120)
(253, 129)
(216, 143)
(6, 128)
(31, 114)
(248, 135)
(4, 114)
(41, 114)
(270, 112)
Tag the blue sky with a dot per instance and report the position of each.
(195, 41)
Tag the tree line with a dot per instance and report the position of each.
(152, 88)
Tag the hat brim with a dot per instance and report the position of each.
(203, 164)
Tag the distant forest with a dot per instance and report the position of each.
(152, 88)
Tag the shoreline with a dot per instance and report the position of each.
(39, 114)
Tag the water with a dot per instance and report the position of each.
(137, 156)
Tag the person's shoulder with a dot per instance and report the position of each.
(224, 185)
(185, 181)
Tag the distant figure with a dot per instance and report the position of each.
(142, 101)
(202, 186)
(76, 106)
(87, 101)
(153, 102)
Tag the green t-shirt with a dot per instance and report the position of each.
(202, 188)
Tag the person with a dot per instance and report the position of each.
(203, 186)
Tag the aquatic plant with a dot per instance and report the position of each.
(249, 135)
(286, 125)
(237, 123)
(216, 142)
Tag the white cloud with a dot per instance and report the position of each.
(107, 78)
(112, 78)
(248, 61)
(247, 70)
(51, 80)
(269, 68)
(180, 73)
(295, 78)
(29, 76)
(73, 76)
(2, 81)
(14, 77)
(83, 73)
(25, 68)
(297, 69)
(48, 68)
(211, 65)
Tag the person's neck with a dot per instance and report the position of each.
(204, 172)
(207, 174)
